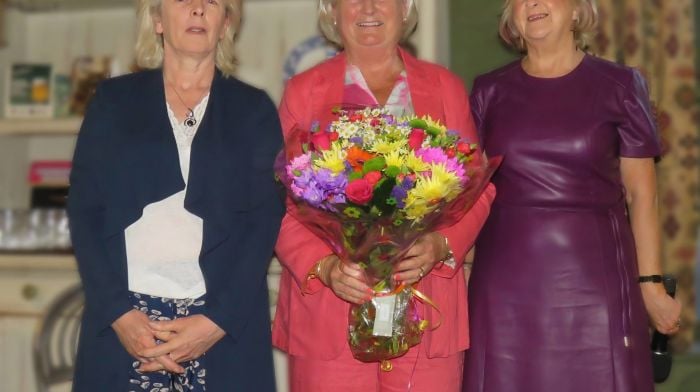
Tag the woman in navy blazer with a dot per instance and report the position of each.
(177, 157)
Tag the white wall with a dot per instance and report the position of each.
(13, 157)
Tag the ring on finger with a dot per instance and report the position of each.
(421, 273)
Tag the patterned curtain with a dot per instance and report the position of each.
(657, 36)
(2, 23)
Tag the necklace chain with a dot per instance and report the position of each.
(190, 121)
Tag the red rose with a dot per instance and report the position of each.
(375, 122)
(321, 141)
(450, 152)
(359, 191)
(464, 148)
(334, 136)
(415, 139)
(357, 117)
(373, 177)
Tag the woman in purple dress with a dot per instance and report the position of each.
(556, 300)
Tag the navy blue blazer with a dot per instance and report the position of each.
(125, 159)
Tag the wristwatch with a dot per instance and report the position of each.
(651, 279)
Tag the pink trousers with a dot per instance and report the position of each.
(412, 372)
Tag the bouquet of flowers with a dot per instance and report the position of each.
(369, 186)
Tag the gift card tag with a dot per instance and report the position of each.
(384, 318)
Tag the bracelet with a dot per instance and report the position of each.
(449, 259)
(315, 271)
(651, 279)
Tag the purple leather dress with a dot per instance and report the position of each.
(554, 302)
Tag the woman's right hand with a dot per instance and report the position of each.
(136, 335)
(663, 310)
(346, 281)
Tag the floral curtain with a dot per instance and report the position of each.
(657, 36)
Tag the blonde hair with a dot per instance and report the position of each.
(584, 27)
(328, 25)
(149, 44)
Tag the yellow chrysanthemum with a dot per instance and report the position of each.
(431, 191)
(435, 124)
(450, 182)
(395, 158)
(333, 159)
(382, 146)
(414, 163)
(415, 208)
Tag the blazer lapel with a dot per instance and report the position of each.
(155, 144)
(206, 148)
(329, 90)
(425, 93)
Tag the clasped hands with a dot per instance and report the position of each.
(347, 281)
(184, 339)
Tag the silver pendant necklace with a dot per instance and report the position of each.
(190, 121)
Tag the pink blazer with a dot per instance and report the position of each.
(313, 324)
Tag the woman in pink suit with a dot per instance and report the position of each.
(316, 288)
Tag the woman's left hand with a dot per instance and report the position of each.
(185, 339)
(421, 258)
(664, 311)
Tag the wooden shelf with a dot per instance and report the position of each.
(38, 126)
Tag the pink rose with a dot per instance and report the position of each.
(359, 191)
(321, 141)
(373, 177)
(415, 139)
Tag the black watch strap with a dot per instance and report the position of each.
(651, 279)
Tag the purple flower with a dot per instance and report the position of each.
(304, 178)
(399, 193)
(337, 199)
(330, 182)
(300, 163)
(357, 140)
(321, 188)
(313, 196)
(407, 183)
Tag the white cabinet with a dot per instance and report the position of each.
(17, 368)
(28, 284)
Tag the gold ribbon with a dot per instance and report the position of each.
(426, 300)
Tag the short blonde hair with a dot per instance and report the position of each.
(327, 23)
(149, 44)
(584, 28)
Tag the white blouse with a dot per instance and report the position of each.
(163, 246)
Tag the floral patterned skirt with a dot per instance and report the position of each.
(194, 378)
